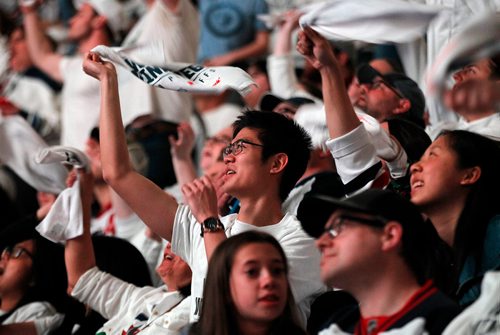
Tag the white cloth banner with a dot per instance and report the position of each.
(19, 144)
(65, 219)
(479, 38)
(180, 77)
(372, 21)
(64, 155)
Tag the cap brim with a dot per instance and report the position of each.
(269, 102)
(366, 74)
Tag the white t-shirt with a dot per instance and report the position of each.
(153, 310)
(179, 32)
(303, 257)
(80, 103)
(487, 126)
(42, 314)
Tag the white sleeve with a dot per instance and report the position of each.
(282, 78)
(44, 317)
(106, 293)
(183, 234)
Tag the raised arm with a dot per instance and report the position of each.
(181, 149)
(340, 116)
(79, 251)
(155, 207)
(39, 46)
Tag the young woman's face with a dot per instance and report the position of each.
(258, 284)
(16, 268)
(436, 178)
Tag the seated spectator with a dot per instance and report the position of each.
(32, 283)
(128, 308)
(247, 289)
(455, 185)
(377, 247)
(287, 107)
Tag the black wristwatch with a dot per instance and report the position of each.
(211, 225)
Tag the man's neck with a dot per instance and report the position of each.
(260, 212)
(388, 295)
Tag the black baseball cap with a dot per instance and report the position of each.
(269, 101)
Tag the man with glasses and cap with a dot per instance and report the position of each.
(267, 155)
(377, 247)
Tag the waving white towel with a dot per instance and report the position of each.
(372, 21)
(64, 220)
(180, 77)
(64, 155)
(18, 145)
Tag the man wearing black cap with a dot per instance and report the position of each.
(376, 246)
(390, 95)
(287, 107)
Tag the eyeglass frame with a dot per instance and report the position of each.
(232, 150)
(389, 86)
(15, 252)
(336, 228)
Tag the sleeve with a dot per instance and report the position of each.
(184, 230)
(357, 163)
(64, 66)
(42, 314)
(105, 293)
(282, 77)
(261, 7)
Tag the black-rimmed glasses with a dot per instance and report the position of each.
(15, 252)
(237, 147)
(340, 222)
(376, 84)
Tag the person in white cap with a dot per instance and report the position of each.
(97, 22)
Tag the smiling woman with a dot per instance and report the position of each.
(247, 289)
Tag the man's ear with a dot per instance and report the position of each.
(279, 162)
(471, 176)
(404, 106)
(392, 236)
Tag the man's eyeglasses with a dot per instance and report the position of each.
(237, 147)
(340, 222)
(15, 252)
(377, 83)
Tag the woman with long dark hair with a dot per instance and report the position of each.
(456, 184)
(247, 289)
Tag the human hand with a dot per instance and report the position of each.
(29, 6)
(7, 108)
(95, 67)
(182, 147)
(477, 95)
(201, 197)
(315, 48)
(290, 20)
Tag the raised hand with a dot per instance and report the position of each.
(182, 147)
(95, 67)
(315, 48)
(201, 197)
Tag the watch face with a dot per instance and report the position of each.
(211, 224)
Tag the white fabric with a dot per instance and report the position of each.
(181, 77)
(215, 120)
(482, 317)
(313, 119)
(372, 21)
(42, 314)
(283, 80)
(80, 103)
(478, 39)
(64, 155)
(179, 30)
(34, 96)
(292, 202)
(121, 303)
(65, 219)
(18, 145)
(386, 147)
(303, 257)
(414, 327)
(488, 126)
(353, 153)
(115, 13)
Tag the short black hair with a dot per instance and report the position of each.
(279, 134)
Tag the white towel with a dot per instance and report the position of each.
(18, 145)
(65, 219)
(64, 155)
(372, 21)
(180, 77)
